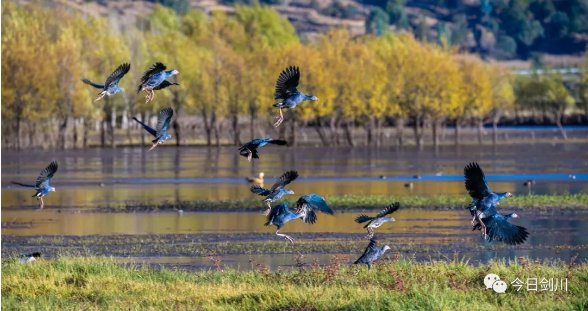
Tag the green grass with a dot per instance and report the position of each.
(350, 203)
(398, 284)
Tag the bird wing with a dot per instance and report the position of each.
(287, 83)
(316, 202)
(147, 127)
(116, 75)
(389, 210)
(96, 85)
(46, 175)
(277, 211)
(278, 142)
(163, 121)
(363, 218)
(155, 69)
(21, 184)
(165, 84)
(260, 191)
(285, 179)
(475, 181)
(498, 228)
(370, 250)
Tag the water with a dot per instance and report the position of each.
(188, 173)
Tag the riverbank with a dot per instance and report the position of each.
(362, 203)
(394, 283)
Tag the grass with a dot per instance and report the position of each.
(69, 283)
(354, 203)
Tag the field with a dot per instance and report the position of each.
(394, 283)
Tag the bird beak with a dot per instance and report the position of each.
(497, 203)
(510, 194)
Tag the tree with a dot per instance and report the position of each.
(377, 21)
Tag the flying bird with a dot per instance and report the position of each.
(305, 209)
(287, 91)
(153, 78)
(378, 220)
(160, 134)
(42, 185)
(111, 87)
(255, 180)
(492, 224)
(371, 254)
(249, 150)
(277, 190)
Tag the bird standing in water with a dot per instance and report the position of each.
(378, 220)
(305, 209)
(277, 190)
(287, 91)
(371, 254)
(155, 78)
(111, 87)
(249, 150)
(492, 224)
(42, 185)
(163, 121)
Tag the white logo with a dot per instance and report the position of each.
(490, 279)
(499, 286)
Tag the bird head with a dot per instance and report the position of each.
(289, 192)
(512, 215)
(313, 98)
(175, 72)
(508, 194)
(390, 219)
(261, 175)
(52, 189)
(121, 90)
(385, 248)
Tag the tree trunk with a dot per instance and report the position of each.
(435, 133)
(216, 130)
(103, 134)
(418, 132)
(236, 130)
(558, 117)
(75, 134)
(144, 117)
(252, 114)
(334, 131)
(62, 133)
(293, 126)
(370, 131)
(86, 128)
(400, 131)
(457, 131)
(18, 132)
(349, 132)
(320, 131)
(480, 131)
(494, 131)
(379, 134)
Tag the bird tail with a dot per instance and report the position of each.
(500, 229)
(21, 184)
(362, 218)
(254, 154)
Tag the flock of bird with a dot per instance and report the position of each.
(493, 225)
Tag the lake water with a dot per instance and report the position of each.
(100, 177)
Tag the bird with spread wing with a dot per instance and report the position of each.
(287, 91)
(161, 135)
(110, 87)
(42, 185)
(277, 190)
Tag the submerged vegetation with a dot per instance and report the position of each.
(354, 203)
(394, 283)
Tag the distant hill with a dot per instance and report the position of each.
(516, 32)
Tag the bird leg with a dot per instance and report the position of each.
(484, 234)
(473, 220)
(269, 208)
(287, 237)
(148, 97)
(152, 95)
(100, 96)
(250, 155)
(154, 145)
(279, 120)
(42, 204)
(370, 233)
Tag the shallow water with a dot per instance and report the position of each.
(191, 173)
(168, 173)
